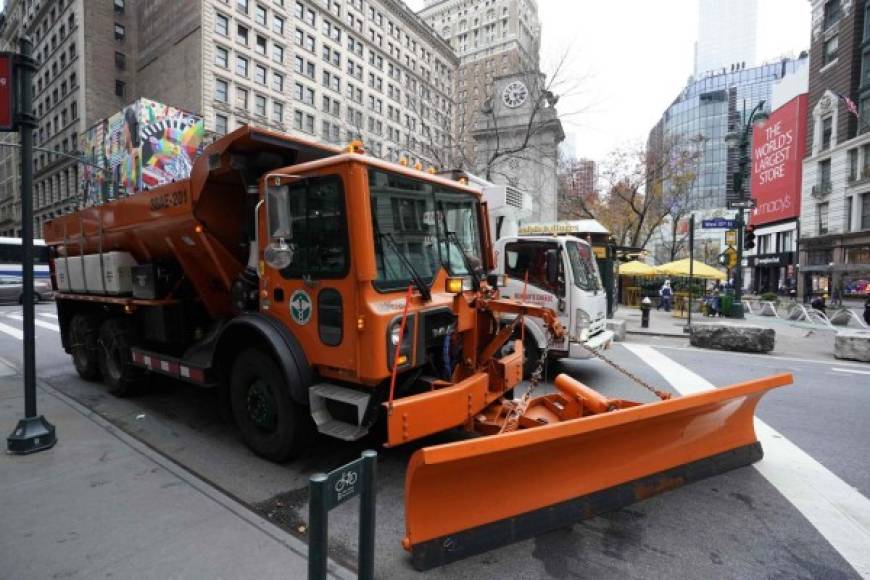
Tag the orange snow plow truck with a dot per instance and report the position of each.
(323, 290)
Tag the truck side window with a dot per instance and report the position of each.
(531, 257)
(318, 236)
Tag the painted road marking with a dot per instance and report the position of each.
(769, 357)
(47, 315)
(857, 372)
(11, 331)
(837, 510)
(36, 321)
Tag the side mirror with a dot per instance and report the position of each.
(552, 266)
(278, 254)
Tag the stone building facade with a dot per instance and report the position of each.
(835, 209)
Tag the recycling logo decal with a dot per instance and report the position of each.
(300, 307)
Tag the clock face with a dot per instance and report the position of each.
(515, 94)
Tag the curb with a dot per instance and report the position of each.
(659, 334)
(222, 498)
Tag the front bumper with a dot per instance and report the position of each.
(601, 341)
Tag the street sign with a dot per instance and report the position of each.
(719, 224)
(731, 238)
(742, 204)
(7, 92)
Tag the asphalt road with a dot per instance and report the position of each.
(737, 525)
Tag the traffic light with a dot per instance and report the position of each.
(749, 238)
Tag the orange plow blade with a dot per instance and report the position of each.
(471, 496)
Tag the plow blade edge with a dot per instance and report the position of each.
(467, 497)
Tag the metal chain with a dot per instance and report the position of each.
(664, 396)
(511, 420)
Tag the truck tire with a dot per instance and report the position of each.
(273, 425)
(84, 331)
(116, 359)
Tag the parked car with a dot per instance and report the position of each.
(11, 289)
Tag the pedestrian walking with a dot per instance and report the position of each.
(665, 295)
(867, 310)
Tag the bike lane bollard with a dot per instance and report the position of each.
(329, 490)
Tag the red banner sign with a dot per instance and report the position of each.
(7, 93)
(778, 148)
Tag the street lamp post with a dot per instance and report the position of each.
(741, 140)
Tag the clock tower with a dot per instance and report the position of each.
(516, 140)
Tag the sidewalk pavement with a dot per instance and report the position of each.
(102, 504)
(793, 339)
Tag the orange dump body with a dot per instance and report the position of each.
(196, 221)
(466, 497)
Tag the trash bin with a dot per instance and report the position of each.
(725, 303)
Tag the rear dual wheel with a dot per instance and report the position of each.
(84, 330)
(116, 340)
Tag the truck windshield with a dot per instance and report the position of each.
(584, 267)
(431, 226)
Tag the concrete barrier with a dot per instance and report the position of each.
(852, 344)
(728, 336)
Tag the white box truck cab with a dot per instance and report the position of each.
(559, 272)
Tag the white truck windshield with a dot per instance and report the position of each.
(584, 267)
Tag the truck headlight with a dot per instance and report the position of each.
(582, 321)
(395, 332)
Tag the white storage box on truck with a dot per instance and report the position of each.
(109, 273)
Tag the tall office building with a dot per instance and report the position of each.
(329, 70)
(492, 38)
(81, 77)
(727, 35)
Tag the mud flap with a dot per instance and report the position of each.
(467, 497)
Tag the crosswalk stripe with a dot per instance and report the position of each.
(851, 371)
(47, 315)
(837, 510)
(11, 331)
(37, 322)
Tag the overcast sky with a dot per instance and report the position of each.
(631, 58)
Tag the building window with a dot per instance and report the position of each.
(120, 61)
(853, 164)
(278, 25)
(120, 32)
(849, 214)
(261, 45)
(260, 105)
(822, 210)
(824, 179)
(221, 90)
(278, 112)
(120, 88)
(221, 57)
(220, 124)
(242, 35)
(832, 13)
(865, 211)
(829, 54)
(260, 74)
(242, 66)
(242, 6)
(864, 106)
(222, 25)
(827, 129)
(242, 98)
(277, 53)
(119, 6)
(278, 82)
(260, 15)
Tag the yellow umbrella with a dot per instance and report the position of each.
(636, 268)
(699, 270)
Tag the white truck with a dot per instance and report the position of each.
(559, 272)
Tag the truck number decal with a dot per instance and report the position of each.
(168, 199)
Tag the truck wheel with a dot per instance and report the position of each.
(84, 331)
(273, 425)
(116, 359)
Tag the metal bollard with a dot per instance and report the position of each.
(644, 312)
(329, 490)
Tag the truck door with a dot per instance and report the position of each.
(312, 292)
